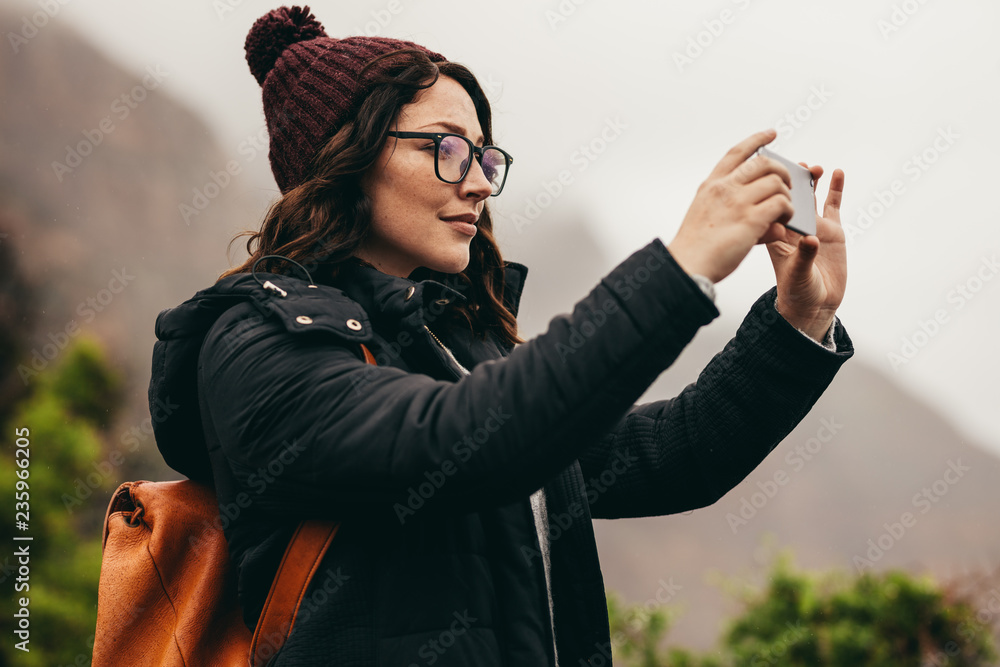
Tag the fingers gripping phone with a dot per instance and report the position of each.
(803, 194)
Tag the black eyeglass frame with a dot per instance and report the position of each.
(476, 151)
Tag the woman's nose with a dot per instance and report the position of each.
(475, 183)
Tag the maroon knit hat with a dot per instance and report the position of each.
(311, 82)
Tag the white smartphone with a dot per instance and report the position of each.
(803, 194)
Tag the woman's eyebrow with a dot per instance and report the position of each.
(452, 127)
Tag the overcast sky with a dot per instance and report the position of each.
(902, 95)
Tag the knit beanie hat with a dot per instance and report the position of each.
(311, 83)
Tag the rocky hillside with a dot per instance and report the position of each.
(95, 167)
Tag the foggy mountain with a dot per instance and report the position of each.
(95, 166)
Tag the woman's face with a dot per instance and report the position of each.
(417, 218)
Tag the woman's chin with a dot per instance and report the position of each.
(451, 263)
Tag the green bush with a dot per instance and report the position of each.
(66, 411)
(831, 620)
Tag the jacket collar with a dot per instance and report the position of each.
(417, 297)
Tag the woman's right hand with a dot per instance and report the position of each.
(734, 210)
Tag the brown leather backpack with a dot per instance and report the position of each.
(167, 592)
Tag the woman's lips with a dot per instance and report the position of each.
(463, 227)
(465, 223)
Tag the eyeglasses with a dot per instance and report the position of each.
(453, 155)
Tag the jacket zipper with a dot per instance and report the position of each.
(451, 356)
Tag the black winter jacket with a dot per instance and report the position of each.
(437, 561)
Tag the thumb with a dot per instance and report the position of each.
(802, 259)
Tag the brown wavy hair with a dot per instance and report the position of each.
(324, 220)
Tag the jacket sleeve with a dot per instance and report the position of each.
(687, 452)
(304, 422)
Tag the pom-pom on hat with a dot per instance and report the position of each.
(310, 83)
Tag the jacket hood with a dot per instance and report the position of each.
(181, 331)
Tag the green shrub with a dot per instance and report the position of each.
(827, 620)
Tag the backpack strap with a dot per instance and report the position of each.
(302, 558)
(369, 357)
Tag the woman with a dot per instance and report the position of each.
(466, 465)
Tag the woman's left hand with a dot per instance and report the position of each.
(811, 271)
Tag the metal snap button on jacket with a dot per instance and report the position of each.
(304, 319)
(354, 325)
